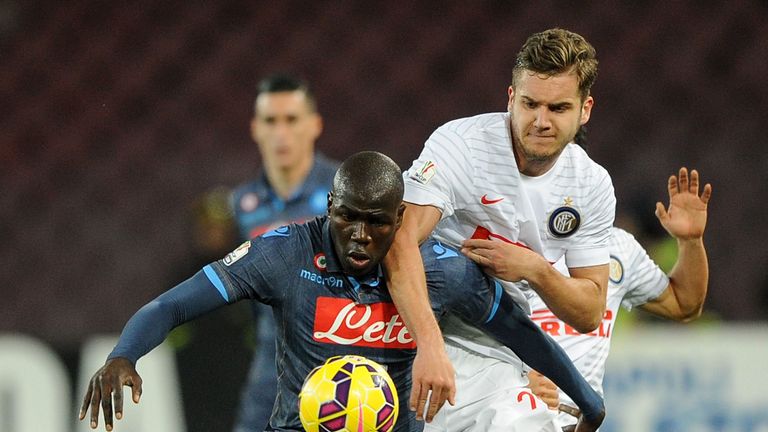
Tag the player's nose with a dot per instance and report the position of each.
(361, 233)
(542, 120)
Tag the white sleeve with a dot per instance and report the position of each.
(442, 174)
(642, 279)
(589, 246)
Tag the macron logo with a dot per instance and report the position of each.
(487, 201)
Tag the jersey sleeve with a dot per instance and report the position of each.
(437, 177)
(150, 325)
(456, 285)
(257, 268)
(641, 278)
(589, 246)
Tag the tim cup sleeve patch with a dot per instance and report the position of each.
(423, 173)
(236, 254)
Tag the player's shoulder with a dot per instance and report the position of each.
(620, 235)
(633, 271)
(247, 197)
(273, 243)
(287, 236)
(477, 122)
(585, 175)
(483, 133)
(451, 263)
(254, 186)
(326, 166)
(576, 158)
(433, 250)
(623, 243)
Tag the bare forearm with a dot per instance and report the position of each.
(408, 288)
(689, 278)
(432, 370)
(405, 275)
(578, 301)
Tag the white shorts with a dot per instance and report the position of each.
(491, 395)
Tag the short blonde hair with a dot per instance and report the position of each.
(556, 51)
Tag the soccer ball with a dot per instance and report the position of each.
(348, 393)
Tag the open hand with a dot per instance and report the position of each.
(686, 216)
(107, 383)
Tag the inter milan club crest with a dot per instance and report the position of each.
(565, 220)
(616, 274)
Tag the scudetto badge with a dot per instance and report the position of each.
(320, 262)
(564, 221)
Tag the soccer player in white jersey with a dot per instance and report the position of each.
(510, 188)
(635, 280)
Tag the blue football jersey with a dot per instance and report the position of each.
(320, 312)
(258, 209)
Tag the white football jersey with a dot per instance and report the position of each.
(634, 280)
(468, 171)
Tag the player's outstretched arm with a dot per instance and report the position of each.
(685, 219)
(510, 325)
(107, 383)
(146, 329)
(432, 370)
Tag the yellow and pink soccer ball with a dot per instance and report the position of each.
(348, 393)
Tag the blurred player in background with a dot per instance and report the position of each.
(635, 280)
(292, 187)
(315, 277)
(512, 181)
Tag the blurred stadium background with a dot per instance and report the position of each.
(118, 116)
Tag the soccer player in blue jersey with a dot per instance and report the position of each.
(327, 290)
(292, 187)
(295, 179)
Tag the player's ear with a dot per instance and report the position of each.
(317, 126)
(400, 213)
(586, 110)
(330, 202)
(511, 94)
(254, 128)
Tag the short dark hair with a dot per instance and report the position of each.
(278, 83)
(370, 174)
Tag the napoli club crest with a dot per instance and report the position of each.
(249, 202)
(564, 221)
